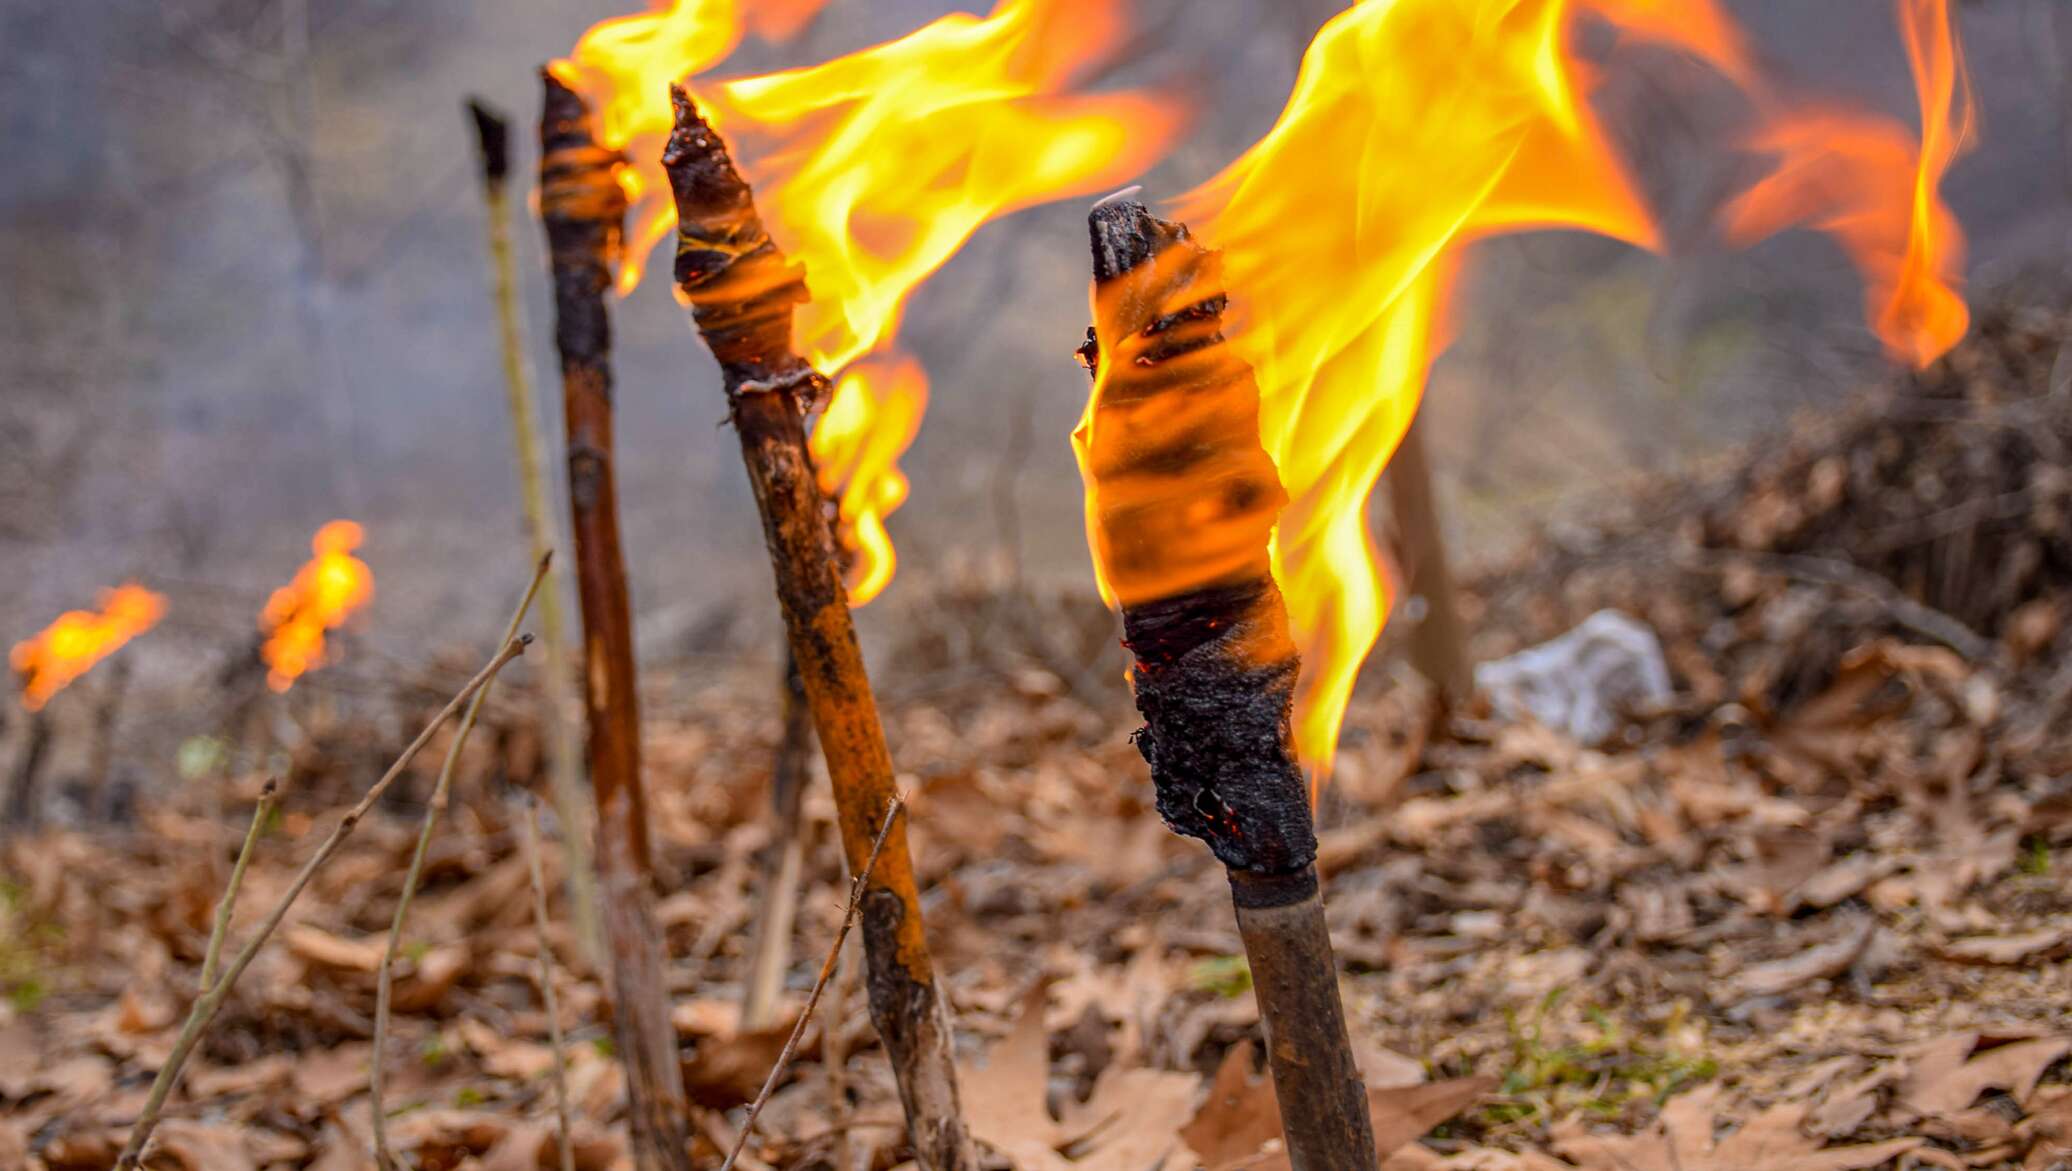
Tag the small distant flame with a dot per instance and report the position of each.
(70, 646)
(325, 592)
(873, 415)
(1417, 127)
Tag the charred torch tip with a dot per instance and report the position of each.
(268, 789)
(1126, 235)
(492, 139)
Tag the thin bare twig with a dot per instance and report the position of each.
(211, 1002)
(548, 1002)
(228, 903)
(385, 981)
(827, 970)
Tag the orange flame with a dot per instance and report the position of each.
(872, 170)
(874, 414)
(325, 592)
(1417, 127)
(70, 646)
(875, 168)
(1839, 171)
(625, 65)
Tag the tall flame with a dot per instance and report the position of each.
(626, 65)
(68, 647)
(1417, 127)
(325, 592)
(872, 170)
(875, 168)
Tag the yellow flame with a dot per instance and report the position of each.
(873, 415)
(875, 168)
(68, 647)
(325, 592)
(625, 65)
(1417, 127)
(872, 170)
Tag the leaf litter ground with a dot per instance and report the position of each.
(1811, 915)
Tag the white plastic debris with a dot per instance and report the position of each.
(1583, 682)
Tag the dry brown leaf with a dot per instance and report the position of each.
(314, 945)
(2007, 949)
(1822, 961)
(2048, 1130)
(1682, 1140)
(528, 1146)
(84, 1150)
(1132, 1119)
(430, 977)
(1850, 1106)
(1004, 1099)
(726, 1071)
(330, 1076)
(14, 1142)
(342, 1150)
(1844, 878)
(1241, 1115)
(197, 1146)
(504, 1056)
(1129, 1123)
(1947, 1076)
(443, 1137)
(222, 1081)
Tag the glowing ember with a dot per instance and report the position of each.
(1417, 127)
(70, 646)
(325, 592)
(872, 170)
(873, 415)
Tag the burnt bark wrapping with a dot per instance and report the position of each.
(1217, 723)
(740, 287)
(583, 209)
(1215, 667)
(741, 291)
